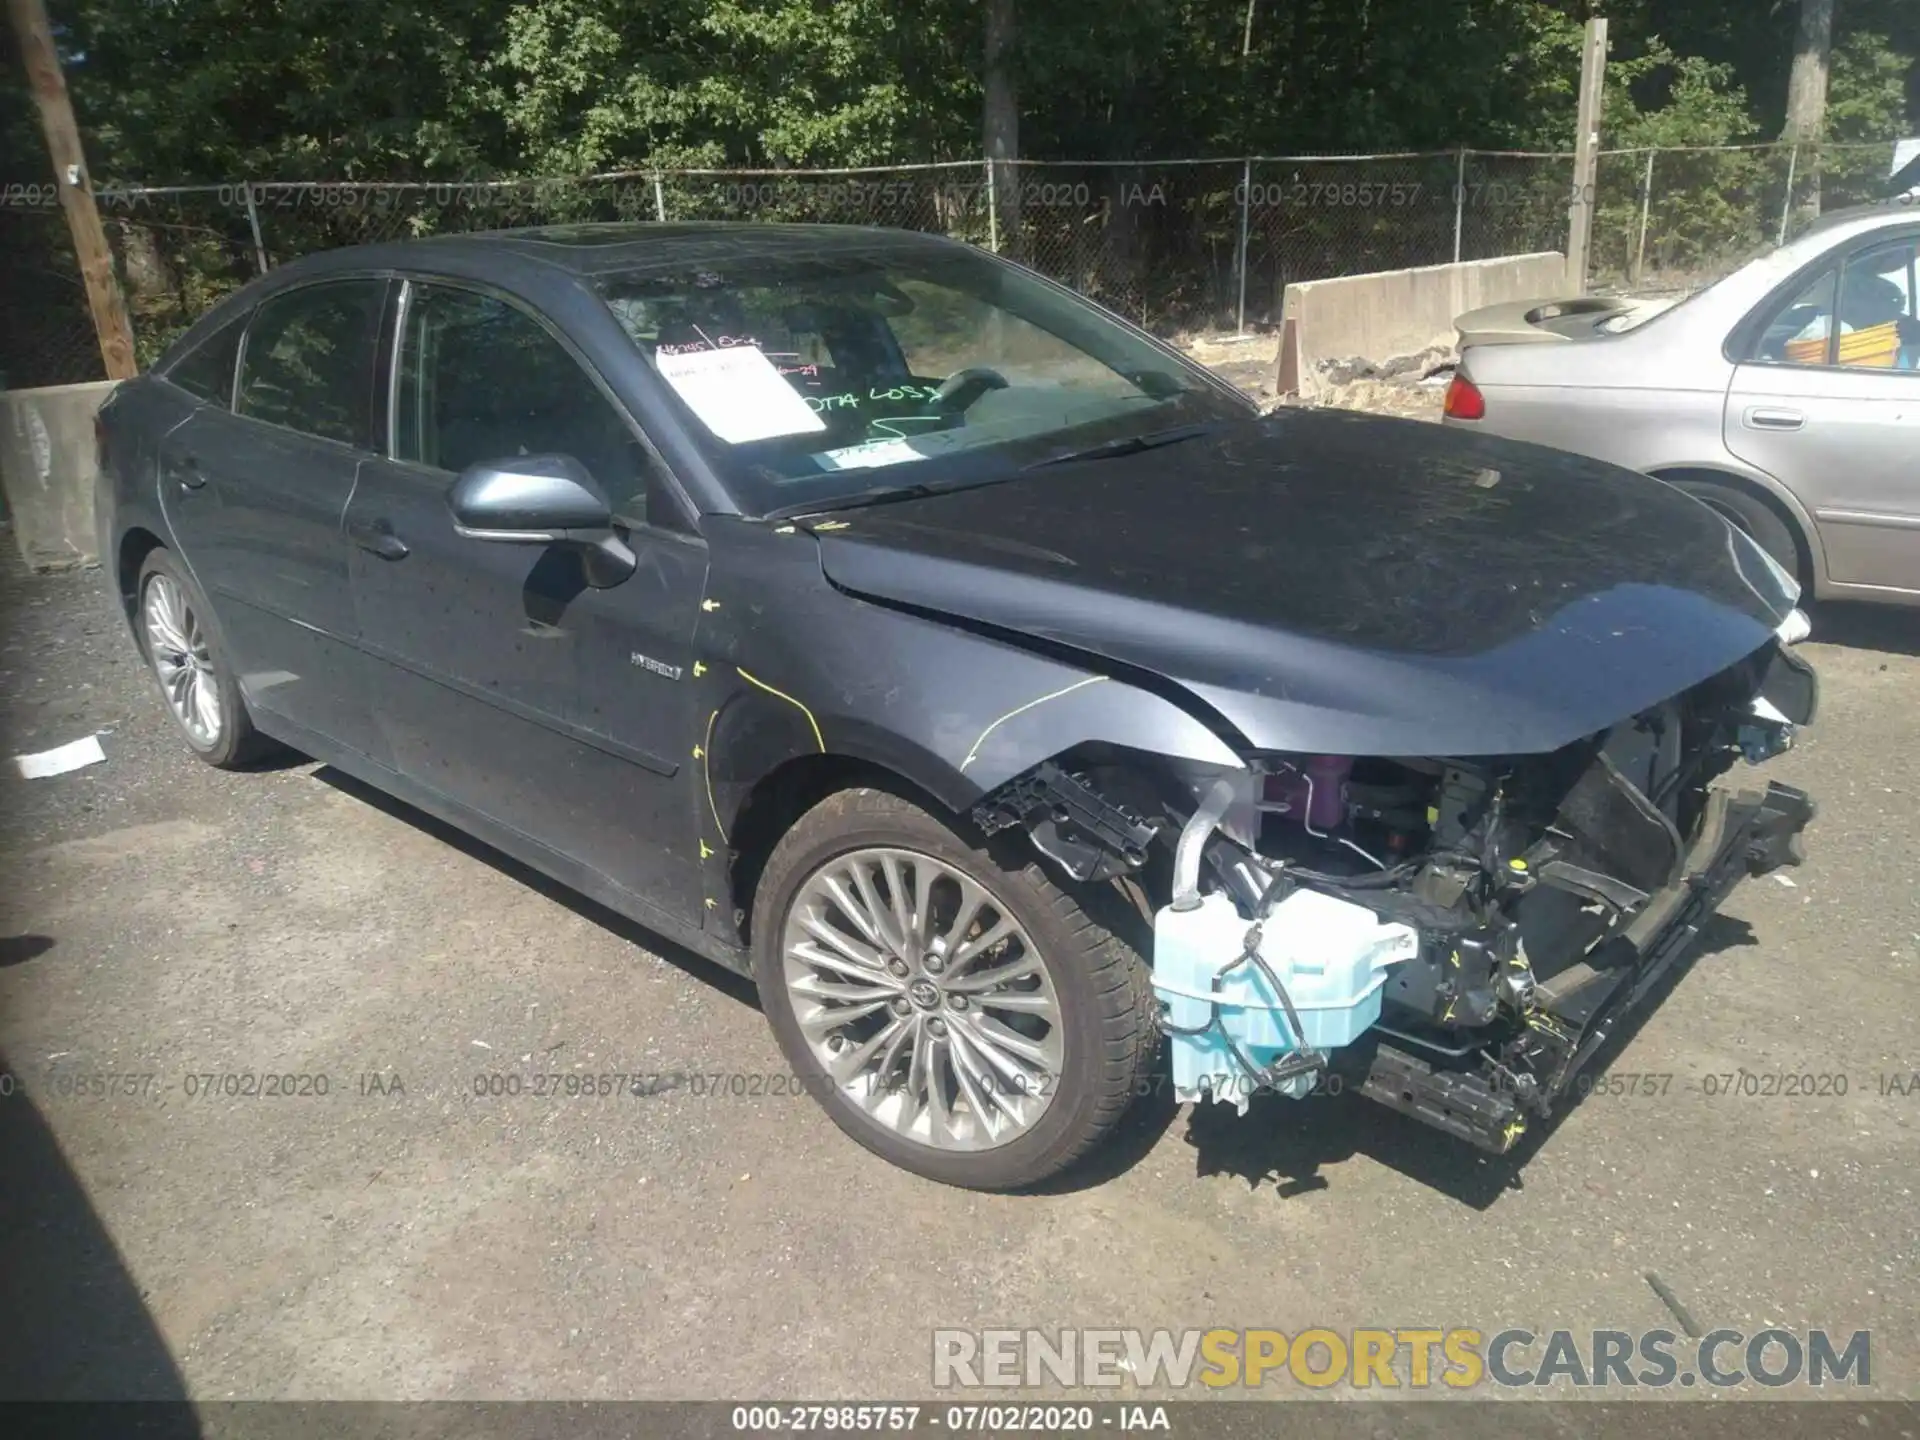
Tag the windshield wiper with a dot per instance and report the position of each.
(1125, 445)
(920, 490)
(882, 495)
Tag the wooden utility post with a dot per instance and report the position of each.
(109, 307)
(1586, 156)
(1807, 106)
(1002, 127)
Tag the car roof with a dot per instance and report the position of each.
(1861, 217)
(627, 246)
(534, 260)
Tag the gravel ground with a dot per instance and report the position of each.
(161, 918)
(1249, 363)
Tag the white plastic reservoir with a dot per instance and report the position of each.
(1331, 955)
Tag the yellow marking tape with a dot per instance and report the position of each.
(781, 694)
(974, 753)
(706, 771)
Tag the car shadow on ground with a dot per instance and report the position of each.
(727, 982)
(1135, 1136)
(1147, 1119)
(1291, 1143)
(19, 949)
(1890, 629)
(73, 1323)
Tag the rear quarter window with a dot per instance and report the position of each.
(206, 371)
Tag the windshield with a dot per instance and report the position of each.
(827, 377)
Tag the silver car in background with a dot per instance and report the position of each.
(1787, 396)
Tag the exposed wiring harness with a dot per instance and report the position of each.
(1384, 880)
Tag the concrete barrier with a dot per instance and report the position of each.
(47, 469)
(1398, 312)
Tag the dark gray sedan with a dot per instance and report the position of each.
(888, 623)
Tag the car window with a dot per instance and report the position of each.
(803, 371)
(1800, 331)
(308, 360)
(950, 330)
(1860, 316)
(827, 353)
(1877, 322)
(206, 371)
(482, 380)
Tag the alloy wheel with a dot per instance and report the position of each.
(923, 999)
(177, 647)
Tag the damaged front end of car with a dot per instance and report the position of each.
(1454, 937)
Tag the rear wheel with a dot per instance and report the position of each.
(194, 676)
(1753, 516)
(957, 1014)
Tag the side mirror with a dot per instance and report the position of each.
(541, 500)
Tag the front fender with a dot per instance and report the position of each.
(787, 666)
(977, 714)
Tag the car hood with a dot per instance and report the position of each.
(1331, 582)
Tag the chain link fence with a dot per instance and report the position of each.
(1174, 245)
(1678, 218)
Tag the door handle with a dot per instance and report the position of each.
(377, 537)
(1761, 418)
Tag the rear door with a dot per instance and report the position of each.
(254, 494)
(1828, 402)
(506, 684)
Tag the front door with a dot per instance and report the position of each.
(507, 685)
(1830, 405)
(255, 492)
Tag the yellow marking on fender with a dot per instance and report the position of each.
(781, 694)
(831, 525)
(974, 753)
(706, 773)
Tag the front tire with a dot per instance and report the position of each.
(956, 1013)
(176, 636)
